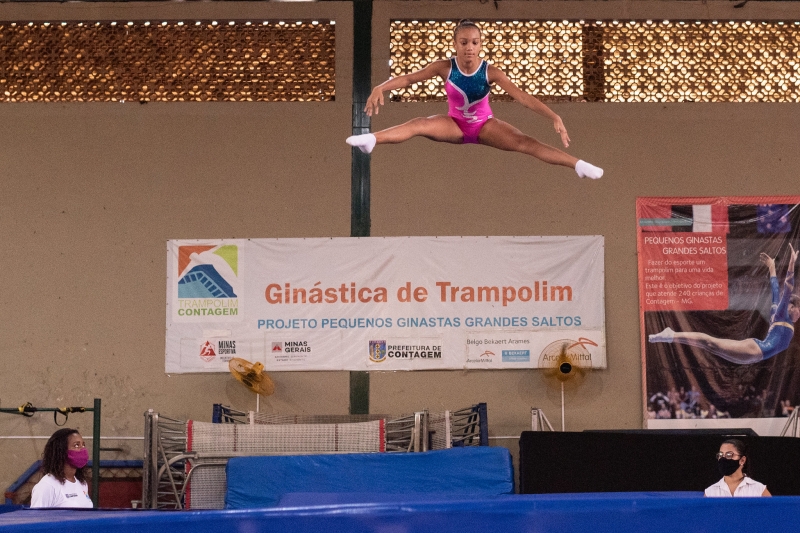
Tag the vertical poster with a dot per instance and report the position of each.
(718, 306)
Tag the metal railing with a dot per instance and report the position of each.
(169, 466)
(164, 475)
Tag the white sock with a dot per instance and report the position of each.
(366, 142)
(665, 336)
(587, 170)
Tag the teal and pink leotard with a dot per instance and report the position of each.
(468, 99)
(781, 329)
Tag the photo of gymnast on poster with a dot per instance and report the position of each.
(719, 306)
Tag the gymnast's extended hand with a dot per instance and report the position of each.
(769, 262)
(558, 124)
(374, 102)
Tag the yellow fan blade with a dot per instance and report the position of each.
(252, 376)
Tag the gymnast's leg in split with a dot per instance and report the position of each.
(502, 135)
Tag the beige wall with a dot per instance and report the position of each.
(89, 193)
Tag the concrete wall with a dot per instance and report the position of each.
(89, 193)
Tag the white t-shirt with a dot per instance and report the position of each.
(50, 492)
(748, 487)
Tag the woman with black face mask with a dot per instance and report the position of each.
(733, 465)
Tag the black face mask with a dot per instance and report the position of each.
(727, 467)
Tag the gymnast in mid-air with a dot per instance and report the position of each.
(468, 81)
(784, 312)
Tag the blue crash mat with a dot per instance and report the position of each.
(563, 513)
(475, 471)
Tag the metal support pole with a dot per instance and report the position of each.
(792, 428)
(146, 458)
(483, 411)
(417, 434)
(360, 168)
(154, 442)
(96, 454)
(362, 87)
(425, 433)
(539, 420)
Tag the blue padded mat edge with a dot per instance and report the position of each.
(598, 513)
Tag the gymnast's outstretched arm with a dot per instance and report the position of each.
(375, 100)
(789, 281)
(531, 102)
(773, 281)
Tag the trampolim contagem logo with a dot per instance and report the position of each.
(575, 351)
(208, 281)
(377, 351)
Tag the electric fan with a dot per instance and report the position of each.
(252, 376)
(565, 361)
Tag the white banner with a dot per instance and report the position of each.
(398, 303)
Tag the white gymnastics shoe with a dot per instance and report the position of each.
(587, 170)
(665, 336)
(365, 142)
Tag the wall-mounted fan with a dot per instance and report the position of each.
(564, 368)
(252, 376)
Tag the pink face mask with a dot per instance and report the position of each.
(78, 458)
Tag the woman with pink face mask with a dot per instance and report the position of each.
(64, 481)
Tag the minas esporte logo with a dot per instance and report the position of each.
(207, 352)
(208, 280)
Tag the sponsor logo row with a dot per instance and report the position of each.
(380, 351)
